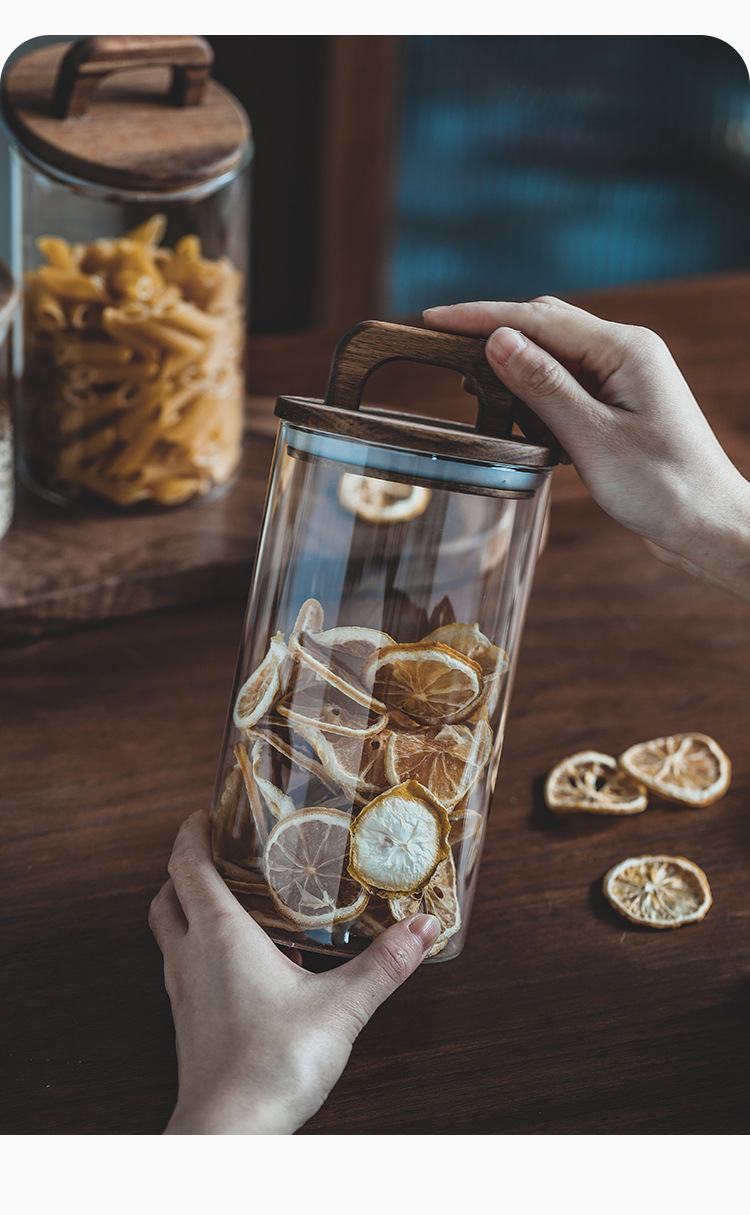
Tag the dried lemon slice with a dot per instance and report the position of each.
(430, 682)
(688, 768)
(310, 617)
(261, 759)
(469, 640)
(356, 763)
(660, 891)
(398, 840)
(447, 760)
(439, 898)
(330, 666)
(322, 705)
(379, 501)
(352, 642)
(254, 798)
(594, 782)
(279, 737)
(305, 864)
(258, 693)
(465, 825)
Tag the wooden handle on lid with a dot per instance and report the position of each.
(372, 343)
(89, 60)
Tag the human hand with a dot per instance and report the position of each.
(260, 1041)
(630, 425)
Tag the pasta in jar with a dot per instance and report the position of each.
(133, 388)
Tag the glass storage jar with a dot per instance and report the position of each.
(8, 302)
(382, 631)
(130, 230)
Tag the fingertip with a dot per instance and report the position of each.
(426, 928)
(503, 344)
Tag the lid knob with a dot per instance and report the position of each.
(89, 60)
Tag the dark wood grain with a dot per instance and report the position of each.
(559, 1017)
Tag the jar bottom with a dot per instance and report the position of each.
(91, 505)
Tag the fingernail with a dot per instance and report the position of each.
(437, 308)
(504, 343)
(427, 928)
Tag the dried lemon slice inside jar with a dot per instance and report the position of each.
(379, 501)
(690, 769)
(305, 865)
(259, 692)
(658, 891)
(447, 761)
(439, 898)
(593, 782)
(468, 639)
(398, 840)
(429, 682)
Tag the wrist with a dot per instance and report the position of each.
(230, 1114)
(719, 545)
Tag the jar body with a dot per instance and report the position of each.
(372, 687)
(129, 360)
(7, 478)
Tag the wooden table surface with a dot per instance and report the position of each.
(559, 1017)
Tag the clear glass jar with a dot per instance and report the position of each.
(130, 357)
(376, 664)
(8, 303)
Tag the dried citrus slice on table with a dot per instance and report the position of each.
(305, 864)
(593, 782)
(429, 682)
(659, 891)
(447, 760)
(439, 898)
(260, 691)
(398, 840)
(379, 501)
(688, 768)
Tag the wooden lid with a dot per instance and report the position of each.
(372, 343)
(8, 299)
(130, 112)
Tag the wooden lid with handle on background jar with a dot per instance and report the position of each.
(133, 112)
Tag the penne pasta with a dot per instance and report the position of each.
(133, 381)
(150, 232)
(57, 252)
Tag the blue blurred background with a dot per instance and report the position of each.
(530, 164)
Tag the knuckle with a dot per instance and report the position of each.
(546, 302)
(395, 961)
(178, 865)
(543, 377)
(644, 340)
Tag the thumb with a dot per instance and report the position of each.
(361, 986)
(544, 385)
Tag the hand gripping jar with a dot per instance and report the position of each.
(129, 233)
(383, 626)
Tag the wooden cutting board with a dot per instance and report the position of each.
(60, 568)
